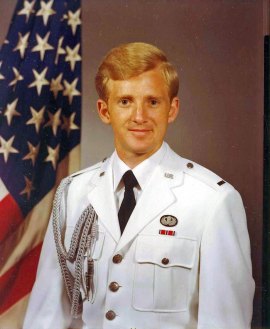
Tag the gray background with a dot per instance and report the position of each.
(217, 47)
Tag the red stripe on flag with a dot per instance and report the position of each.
(11, 216)
(18, 281)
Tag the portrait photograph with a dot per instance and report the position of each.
(173, 91)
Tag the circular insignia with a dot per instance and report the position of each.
(168, 220)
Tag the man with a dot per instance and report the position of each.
(145, 239)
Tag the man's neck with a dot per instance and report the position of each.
(132, 160)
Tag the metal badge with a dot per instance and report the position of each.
(168, 175)
(168, 220)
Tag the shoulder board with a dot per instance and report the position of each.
(94, 167)
(205, 175)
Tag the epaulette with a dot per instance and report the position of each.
(205, 175)
(88, 169)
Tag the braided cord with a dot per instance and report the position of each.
(82, 241)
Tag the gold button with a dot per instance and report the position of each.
(110, 315)
(165, 261)
(190, 165)
(114, 286)
(117, 259)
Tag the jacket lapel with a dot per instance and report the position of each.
(101, 196)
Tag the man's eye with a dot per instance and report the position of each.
(153, 102)
(124, 101)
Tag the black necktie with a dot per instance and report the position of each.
(129, 201)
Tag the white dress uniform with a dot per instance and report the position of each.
(182, 262)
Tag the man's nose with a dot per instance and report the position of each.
(139, 113)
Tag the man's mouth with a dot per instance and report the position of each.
(140, 132)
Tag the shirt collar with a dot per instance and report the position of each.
(142, 171)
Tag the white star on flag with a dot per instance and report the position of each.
(60, 50)
(27, 9)
(1, 75)
(53, 155)
(22, 43)
(56, 85)
(70, 90)
(46, 11)
(37, 118)
(33, 153)
(69, 124)
(40, 80)
(42, 45)
(17, 77)
(28, 188)
(74, 20)
(54, 121)
(10, 111)
(73, 56)
(6, 147)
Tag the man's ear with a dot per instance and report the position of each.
(174, 109)
(103, 111)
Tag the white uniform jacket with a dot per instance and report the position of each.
(200, 277)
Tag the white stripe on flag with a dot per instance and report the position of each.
(3, 190)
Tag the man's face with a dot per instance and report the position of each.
(139, 110)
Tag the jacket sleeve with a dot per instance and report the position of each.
(226, 286)
(49, 305)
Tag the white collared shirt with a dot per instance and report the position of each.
(142, 172)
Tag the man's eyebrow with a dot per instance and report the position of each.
(126, 96)
(154, 96)
(159, 98)
(130, 97)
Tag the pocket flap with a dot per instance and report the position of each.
(166, 251)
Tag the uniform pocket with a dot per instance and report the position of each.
(162, 273)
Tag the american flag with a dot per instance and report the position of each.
(40, 116)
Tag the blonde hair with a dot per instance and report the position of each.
(130, 60)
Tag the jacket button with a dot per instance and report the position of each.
(190, 165)
(165, 261)
(110, 315)
(114, 286)
(117, 259)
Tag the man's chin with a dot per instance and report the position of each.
(143, 150)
